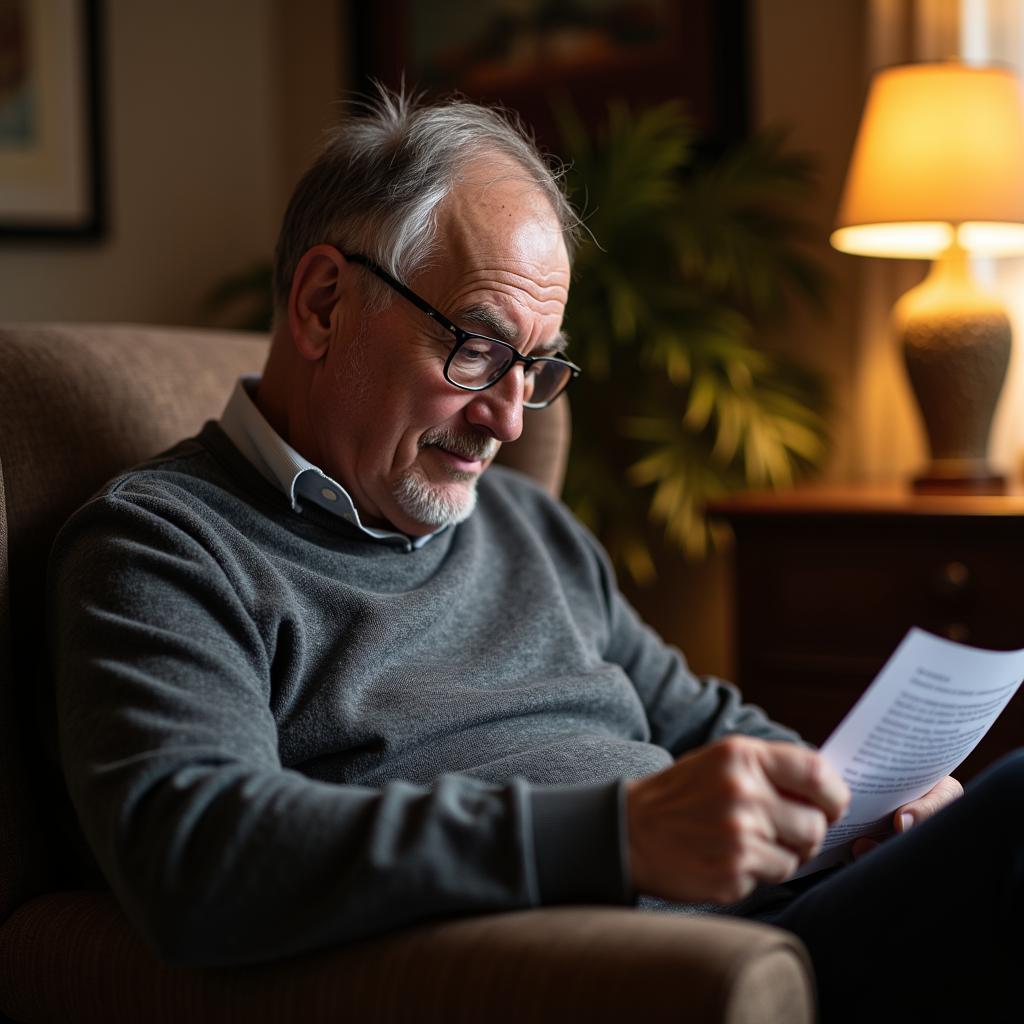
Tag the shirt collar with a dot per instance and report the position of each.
(288, 471)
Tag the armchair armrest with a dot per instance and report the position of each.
(74, 956)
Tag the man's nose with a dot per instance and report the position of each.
(499, 409)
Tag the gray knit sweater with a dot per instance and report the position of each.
(279, 734)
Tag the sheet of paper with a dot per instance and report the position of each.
(923, 714)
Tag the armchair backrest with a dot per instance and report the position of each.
(79, 403)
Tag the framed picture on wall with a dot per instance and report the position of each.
(50, 144)
(527, 54)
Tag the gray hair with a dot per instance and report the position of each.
(380, 177)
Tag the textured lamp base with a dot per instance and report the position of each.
(956, 343)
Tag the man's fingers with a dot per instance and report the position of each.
(804, 773)
(716, 823)
(943, 793)
(799, 827)
(863, 846)
(772, 863)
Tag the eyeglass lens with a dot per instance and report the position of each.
(479, 362)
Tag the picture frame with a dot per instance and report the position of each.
(524, 57)
(51, 144)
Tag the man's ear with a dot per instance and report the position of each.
(314, 304)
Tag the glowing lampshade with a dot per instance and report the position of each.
(939, 158)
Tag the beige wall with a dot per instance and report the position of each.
(193, 174)
(312, 46)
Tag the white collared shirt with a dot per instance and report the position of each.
(287, 470)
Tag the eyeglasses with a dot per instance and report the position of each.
(477, 362)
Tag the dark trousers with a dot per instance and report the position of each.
(929, 926)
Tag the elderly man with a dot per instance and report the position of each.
(321, 672)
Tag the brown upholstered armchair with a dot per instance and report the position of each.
(79, 403)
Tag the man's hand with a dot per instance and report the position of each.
(944, 792)
(728, 816)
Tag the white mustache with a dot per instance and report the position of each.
(471, 446)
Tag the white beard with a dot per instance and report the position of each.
(434, 505)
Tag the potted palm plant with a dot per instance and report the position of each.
(684, 260)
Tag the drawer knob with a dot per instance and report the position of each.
(954, 577)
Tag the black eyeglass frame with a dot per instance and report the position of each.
(461, 337)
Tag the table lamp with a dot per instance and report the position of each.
(937, 172)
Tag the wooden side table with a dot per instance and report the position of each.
(828, 580)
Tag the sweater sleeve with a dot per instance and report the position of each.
(218, 852)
